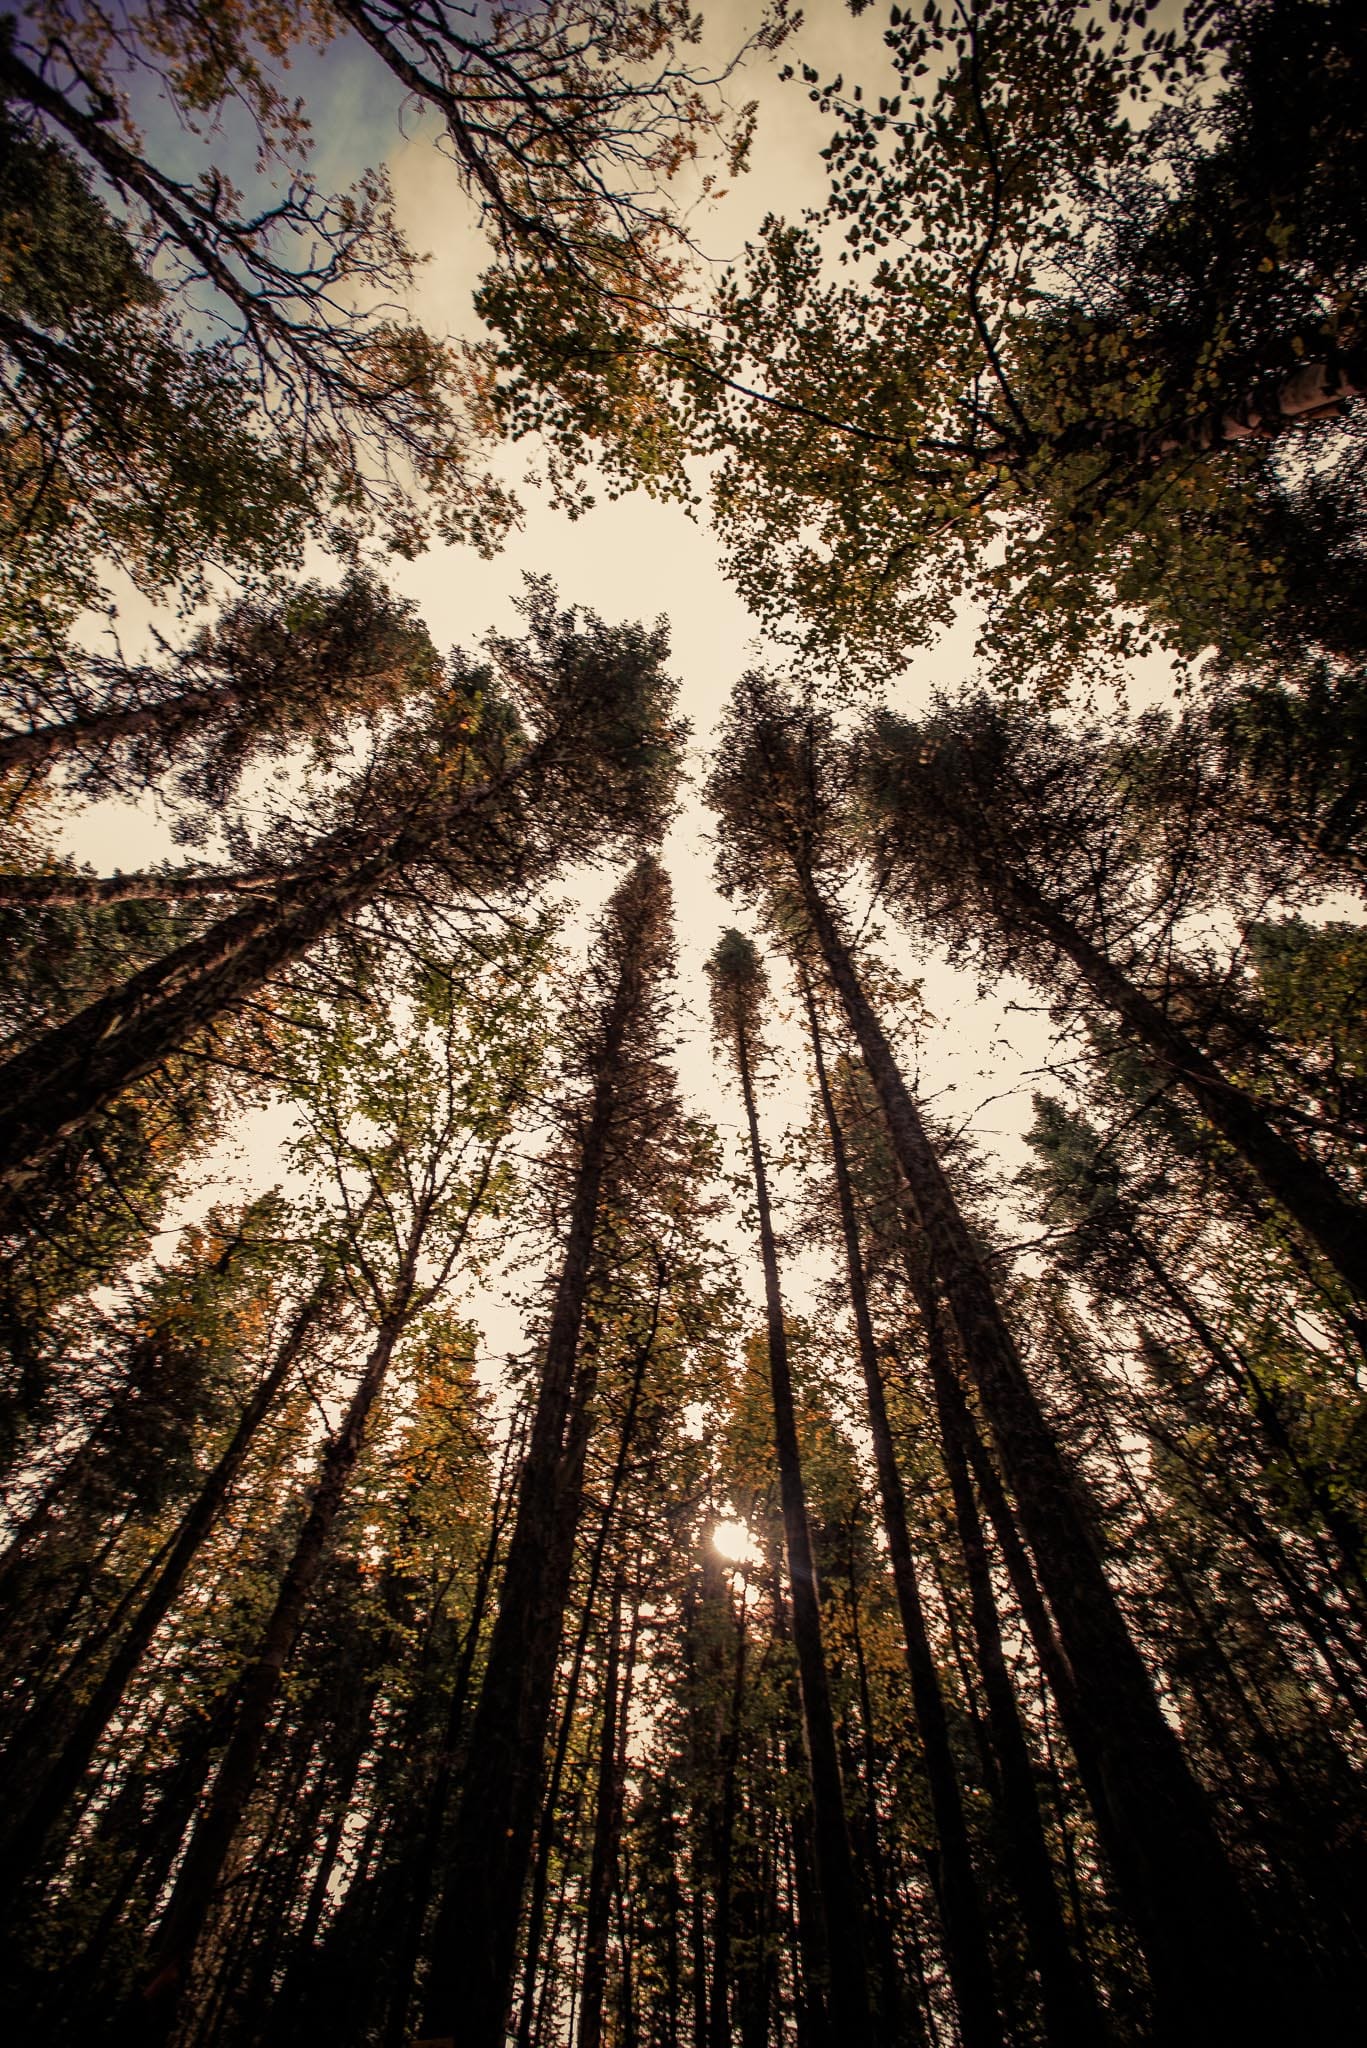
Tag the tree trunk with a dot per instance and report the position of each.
(536, 1911)
(1208, 1973)
(607, 1828)
(1277, 403)
(1071, 2014)
(967, 1950)
(1344, 1529)
(61, 1082)
(835, 1865)
(32, 1821)
(428, 1826)
(470, 1985)
(170, 1975)
(65, 888)
(42, 744)
(1331, 1219)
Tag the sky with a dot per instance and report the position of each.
(976, 1054)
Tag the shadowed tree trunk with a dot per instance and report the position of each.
(32, 1821)
(603, 1872)
(967, 1951)
(1330, 1218)
(849, 1991)
(536, 1911)
(470, 1985)
(1071, 2014)
(1206, 1964)
(169, 1982)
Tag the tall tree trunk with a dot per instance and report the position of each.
(470, 1985)
(849, 1989)
(1343, 1527)
(169, 1979)
(31, 1821)
(536, 1911)
(607, 1826)
(61, 1082)
(967, 1951)
(1071, 2014)
(429, 1824)
(723, 1832)
(1331, 1219)
(1207, 1969)
(39, 745)
(66, 888)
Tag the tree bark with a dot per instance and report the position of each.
(1332, 1220)
(967, 1950)
(170, 1975)
(1207, 1970)
(67, 888)
(849, 1992)
(1071, 2014)
(61, 1082)
(470, 1985)
(31, 1822)
(540, 1875)
(41, 744)
(607, 1827)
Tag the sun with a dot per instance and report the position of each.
(735, 1543)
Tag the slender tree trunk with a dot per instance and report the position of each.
(1332, 1220)
(429, 1825)
(607, 1827)
(43, 744)
(967, 1950)
(698, 1960)
(536, 1911)
(470, 1985)
(1071, 2014)
(65, 888)
(1208, 1972)
(1346, 1532)
(169, 1979)
(835, 1864)
(900, 2015)
(32, 1821)
(60, 1083)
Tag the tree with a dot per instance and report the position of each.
(965, 1928)
(32, 1817)
(121, 435)
(619, 1126)
(738, 986)
(990, 815)
(323, 404)
(562, 740)
(776, 785)
(415, 1166)
(1082, 334)
(301, 670)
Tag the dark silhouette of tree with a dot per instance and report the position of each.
(561, 742)
(738, 987)
(777, 786)
(998, 823)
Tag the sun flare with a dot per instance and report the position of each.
(735, 1543)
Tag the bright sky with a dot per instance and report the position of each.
(975, 1054)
